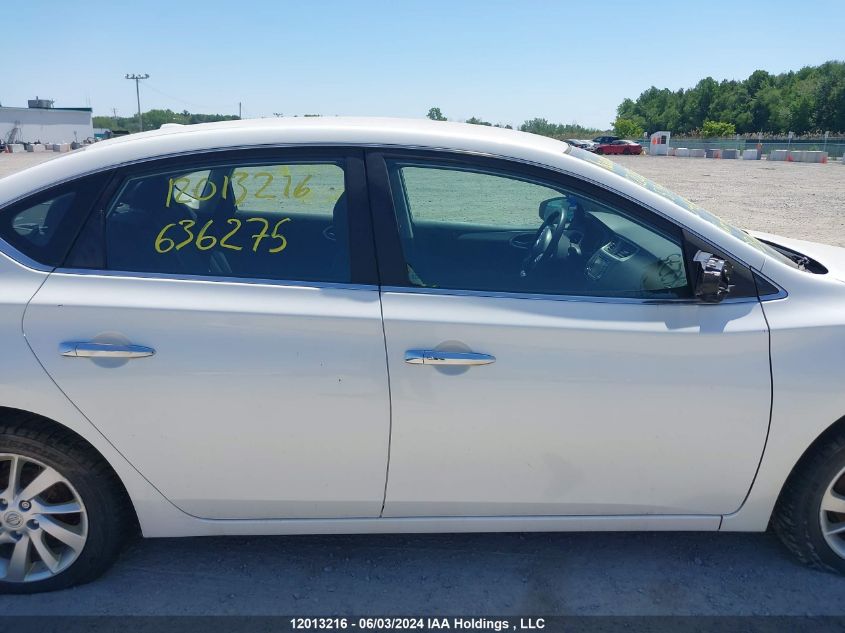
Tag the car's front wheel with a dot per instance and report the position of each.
(810, 514)
(63, 516)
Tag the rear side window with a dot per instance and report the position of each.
(44, 227)
(263, 220)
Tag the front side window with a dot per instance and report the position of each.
(469, 228)
(267, 220)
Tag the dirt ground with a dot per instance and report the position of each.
(11, 163)
(800, 200)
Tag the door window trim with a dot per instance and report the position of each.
(363, 268)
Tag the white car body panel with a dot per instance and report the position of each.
(807, 350)
(590, 408)
(261, 401)
(807, 339)
(26, 386)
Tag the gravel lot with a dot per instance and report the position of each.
(531, 574)
(800, 200)
(10, 163)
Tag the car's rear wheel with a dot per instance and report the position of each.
(63, 516)
(810, 515)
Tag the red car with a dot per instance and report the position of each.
(620, 147)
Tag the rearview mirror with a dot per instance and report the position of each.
(713, 279)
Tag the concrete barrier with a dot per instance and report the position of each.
(778, 154)
(749, 154)
(61, 147)
(697, 153)
(796, 156)
(713, 153)
(815, 157)
(682, 152)
(670, 151)
(34, 147)
(730, 153)
(16, 148)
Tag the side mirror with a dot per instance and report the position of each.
(713, 279)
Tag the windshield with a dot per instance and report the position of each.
(682, 202)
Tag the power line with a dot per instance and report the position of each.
(204, 106)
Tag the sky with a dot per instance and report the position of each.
(502, 61)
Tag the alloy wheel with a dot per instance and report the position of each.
(832, 514)
(43, 522)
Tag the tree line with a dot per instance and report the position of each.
(808, 101)
(535, 126)
(811, 100)
(154, 119)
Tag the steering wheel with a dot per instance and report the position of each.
(550, 242)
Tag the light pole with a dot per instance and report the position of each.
(138, 79)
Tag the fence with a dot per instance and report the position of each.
(835, 148)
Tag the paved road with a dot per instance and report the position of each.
(574, 574)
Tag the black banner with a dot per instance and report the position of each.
(525, 624)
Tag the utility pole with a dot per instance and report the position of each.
(240, 116)
(137, 79)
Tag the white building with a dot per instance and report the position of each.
(47, 125)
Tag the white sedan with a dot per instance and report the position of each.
(350, 325)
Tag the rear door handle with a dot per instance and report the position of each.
(435, 357)
(104, 350)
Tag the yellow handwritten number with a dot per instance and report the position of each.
(164, 244)
(206, 242)
(301, 190)
(205, 182)
(173, 184)
(223, 243)
(278, 236)
(261, 234)
(240, 176)
(259, 193)
(186, 225)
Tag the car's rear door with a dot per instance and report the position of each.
(218, 321)
(590, 384)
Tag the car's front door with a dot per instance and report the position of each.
(546, 353)
(218, 321)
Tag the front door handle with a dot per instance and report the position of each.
(436, 357)
(104, 350)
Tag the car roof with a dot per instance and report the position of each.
(179, 139)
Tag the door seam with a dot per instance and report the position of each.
(389, 404)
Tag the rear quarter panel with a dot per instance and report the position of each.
(25, 385)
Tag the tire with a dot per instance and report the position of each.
(91, 538)
(798, 519)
